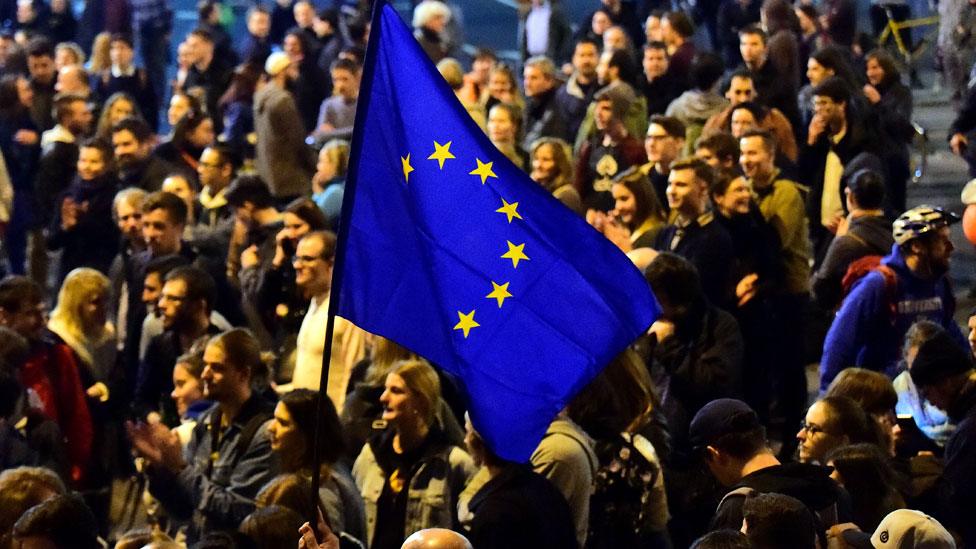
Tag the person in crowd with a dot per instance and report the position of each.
(293, 439)
(778, 521)
(61, 521)
(409, 476)
(256, 45)
(118, 107)
(960, 129)
(677, 31)
(185, 304)
(211, 231)
(338, 112)
(932, 422)
(902, 527)
(552, 168)
(82, 226)
(775, 85)
(617, 74)
(693, 233)
(132, 140)
(875, 394)
(910, 285)
(236, 109)
(194, 132)
(215, 480)
(42, 74)
(694, 350)
(734, 446)
(726, 538)
(541, 116)
(611, 150)
(573, 97)
(181, 103)
(544, 30)
(659, 86)
(830, 423)
(742, 90)
(637, 215)
(329, 181)
(187, 394)
(812, 36)
(504, 129)
(284, 162)
(208, 18)
(127, 214)
(944, 374)
(664, 143)
(721, 152)
(863, 470)
(430, 20)
(890, 106)
(629, 505)
(517, 507)
(207, 71)
(733, 16)
(271, 526)
(840, 22)
(865, 232)
(50, 371)
(823, 63)
(125, 77)
(310, 84)
(257, 221)
(22, 488)
(74, 79)
(328, 33)
(701, 101)
(453, 74)
(503, 87)
(782, 47)
(20, 145)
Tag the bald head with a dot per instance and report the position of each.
(436, 538)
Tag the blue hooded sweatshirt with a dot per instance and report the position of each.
(864, 332)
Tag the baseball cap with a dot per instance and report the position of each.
(921, 220)
(938, 358)
(903, 529)
(276, 62)
(721, 417)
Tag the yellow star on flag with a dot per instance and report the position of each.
(441, 153)
(466, 322)
(509, 210)
(483, 170)
(407, 168)
(499, 292)
(515, 253)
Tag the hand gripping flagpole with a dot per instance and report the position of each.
(337, 271)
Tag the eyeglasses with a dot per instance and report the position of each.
(306, 259)
(812, 429)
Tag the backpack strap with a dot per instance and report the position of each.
(890, 290)
(248, 434)
(740, 492)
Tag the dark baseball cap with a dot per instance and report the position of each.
(938, 358)
(719, 418)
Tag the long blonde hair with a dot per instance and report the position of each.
(78, 289)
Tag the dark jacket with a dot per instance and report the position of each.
(138, 86)
(559, 47)
(572, 100)
(214, 80)
(661, 91)
(55, 171)
(94, 240)
(775, 91)
(148, 174)
(867, 235)
(542, 119)
(520, 509)
(960, 465)
(708, 247)
(286, 164)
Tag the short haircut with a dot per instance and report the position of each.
(173, 205)
(199, 284)
(754, 30)
(674, 278)
(136, 125)
(257, 8)
(328, 240)
(203, 34)
(867, 189)
(681, 23)
(22, 488)
(452, 72)
(623, 60)
(344, 64)
(17, 291)
(778, 520)
(40, 47)
(722, 539)
(226, 155)
(63, 103)
(835, 88)
(133, 196)
(481, 53)
(329, 15)
(919, 333)
(249, 188)
(706, 69)
(162, 265)
(657, 45)
(769, 141)
(123, 37)
(741, 445)
(588, 40)
(671, 125)
(703, 172)
(64, 520)
(101, 145)
(309, 212)
(544, 64)
(722, 145)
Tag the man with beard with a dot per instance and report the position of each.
(184, 304)
(911, 284)
(575, 95)
(138, 167)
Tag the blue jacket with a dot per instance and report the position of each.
(864, 334)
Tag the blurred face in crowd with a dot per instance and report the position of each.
(25, 94)
(481, 69)
(65, 57)
(203, 134)
(736, 199)
(501, 127)
(152, 288)
(828, 109)
(971, 324)
(874, 72)
(437, 23)
(661, 147)
(807, 25)
(740, 90)
(121, 54)
(652, 29)
(128, 150)
(179, 105)
(94, 310)
(585, 58)
(71, 80)
(201, 50)
(79, 118)
(259, 24)
(222, 381)
(184, 56)
(603, 114)
(624, 203)
(121, 108)
(41, 68)
(313, 273)
(614, 39)
(816, 441)
(500, 86)
(755, 159)
(304, 14)
(600, 23)
(187, 388)
(655, 63)
(178, 185)
(544, 164)
(604, 72)
(325, 169)
(129, 219)
(28, 320)
(345, 83)
(537, 82)
(742, 121)
(161, 233)
(753, 50)
(817, 73)
(294, 227)
(398, 401)
(934, 250)
(212, 171)
(286, 438)
(173, 305)
(708, 156)
(685, 193)
(91, 163)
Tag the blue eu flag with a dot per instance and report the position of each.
(450, 250)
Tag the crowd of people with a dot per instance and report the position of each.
(182, 234)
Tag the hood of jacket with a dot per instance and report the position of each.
(874, 230)
(808, 483)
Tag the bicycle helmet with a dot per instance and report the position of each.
(921, 220)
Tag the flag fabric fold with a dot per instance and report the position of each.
(450, 250)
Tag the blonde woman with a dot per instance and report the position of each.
(117, 107)
(100, 58)
(329, 181)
